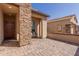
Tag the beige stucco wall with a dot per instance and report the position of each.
(61, 35)
(53, 26)
(1, 27)
(64, 37)
(36, 15)
(17, 25)
(74, 25)
(73, 20)
(42, 27)
(73, 29)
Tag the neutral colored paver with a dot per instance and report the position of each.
(40, 47)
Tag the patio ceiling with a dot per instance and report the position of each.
(8, 8)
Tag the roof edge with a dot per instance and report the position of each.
(33, 10)
(61, 18)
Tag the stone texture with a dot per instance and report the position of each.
(25, 23)
(40, 47)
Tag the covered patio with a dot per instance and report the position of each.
(19, 23)
(39, 24)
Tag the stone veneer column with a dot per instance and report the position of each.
(25, 23)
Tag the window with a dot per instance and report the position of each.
(33, 29)
(33, 25)
(59, 28)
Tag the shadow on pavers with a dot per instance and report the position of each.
(10, 43)
(77, 52)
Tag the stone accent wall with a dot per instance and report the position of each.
(25, 23)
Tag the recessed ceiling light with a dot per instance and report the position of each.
(10, 7)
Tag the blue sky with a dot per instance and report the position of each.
(57, 10)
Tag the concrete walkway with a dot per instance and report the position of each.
(40, 47)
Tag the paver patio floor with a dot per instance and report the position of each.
(40, 47)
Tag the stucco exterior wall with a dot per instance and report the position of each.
(74, 25)
(36, 15)
(64, 37)
(17, 26)
(1, 27)
(44, 27)
(43, 24)
(73, 20)
(54, 26)
(59, 26)
(41, 27)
